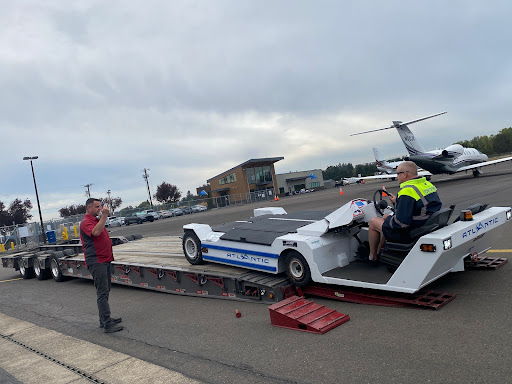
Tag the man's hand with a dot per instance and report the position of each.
(105, 211)
(392, 198)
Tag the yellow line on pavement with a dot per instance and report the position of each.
(5, 281)
(500, 250)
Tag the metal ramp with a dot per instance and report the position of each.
(485, 263)
(304, 315)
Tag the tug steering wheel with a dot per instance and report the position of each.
(382, 204)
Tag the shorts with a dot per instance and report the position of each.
(402, 236)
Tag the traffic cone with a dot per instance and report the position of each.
(276, 198)
(384, 189)
(341, 191)
(237, 313)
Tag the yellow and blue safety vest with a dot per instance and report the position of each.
(416, 201)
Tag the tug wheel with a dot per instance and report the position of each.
(297, 269)
(192, 248)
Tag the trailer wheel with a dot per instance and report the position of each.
(192, 248)
(26, 272)
(55, 267)
(297, 269)
(41, 274)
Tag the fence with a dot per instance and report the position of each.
(28, 235)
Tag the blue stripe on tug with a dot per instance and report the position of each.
(240, 250)
(240, 263)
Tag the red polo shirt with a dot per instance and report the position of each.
(97, 249)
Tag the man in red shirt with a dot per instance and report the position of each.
(98, 257)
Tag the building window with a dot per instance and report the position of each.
(267, 174)
(251, 178)
(259, 175)
(231, 178)
(314, 184)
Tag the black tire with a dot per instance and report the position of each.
(41, 274)
(297, 269)
(55, 267)
(126, 223)
(137, 236)
(26, 272)
(192, 248)
(139, 221)
(68, 252)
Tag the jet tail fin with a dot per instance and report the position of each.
(408, 138)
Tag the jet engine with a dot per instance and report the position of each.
(453, 150)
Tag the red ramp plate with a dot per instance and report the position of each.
(304, 315)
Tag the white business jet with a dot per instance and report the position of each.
(454, 158)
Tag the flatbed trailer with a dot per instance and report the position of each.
(155, 263)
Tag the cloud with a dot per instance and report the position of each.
(101, 90)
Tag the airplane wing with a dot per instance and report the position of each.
(389, 176)
(485, 163)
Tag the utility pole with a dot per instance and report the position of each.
(88, 192)
(110, 202)
(146, 177)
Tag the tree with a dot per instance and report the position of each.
(18, 212)
(144, 205)
(189, 197)
(167, 193)
(113, 203)
(72, 210)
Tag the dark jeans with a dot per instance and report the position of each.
(101, 274)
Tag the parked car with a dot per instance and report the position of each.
(177, 212)
(151, 212)
(113, 221)
(200, 207)
(138, 218)
(187, 210)
(164, 214)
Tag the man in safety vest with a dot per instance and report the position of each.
(416, 201)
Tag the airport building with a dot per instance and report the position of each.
(294, 182)
(254, 176)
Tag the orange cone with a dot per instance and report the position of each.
(384, 189)
(341, 191)
(276, 198)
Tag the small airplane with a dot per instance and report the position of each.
(454, 158)
(383, 165)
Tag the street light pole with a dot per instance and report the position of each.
(37, 195)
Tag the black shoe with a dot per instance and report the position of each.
(113, 320)
(113, 328)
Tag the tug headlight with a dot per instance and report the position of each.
(509, 214)
(447, 243)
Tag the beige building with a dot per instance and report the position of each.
(255, 176)
(292, 182)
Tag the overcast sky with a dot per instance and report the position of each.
(100, 90)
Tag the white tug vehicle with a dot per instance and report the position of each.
(330, 248)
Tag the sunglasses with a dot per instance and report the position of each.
(399, 173)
